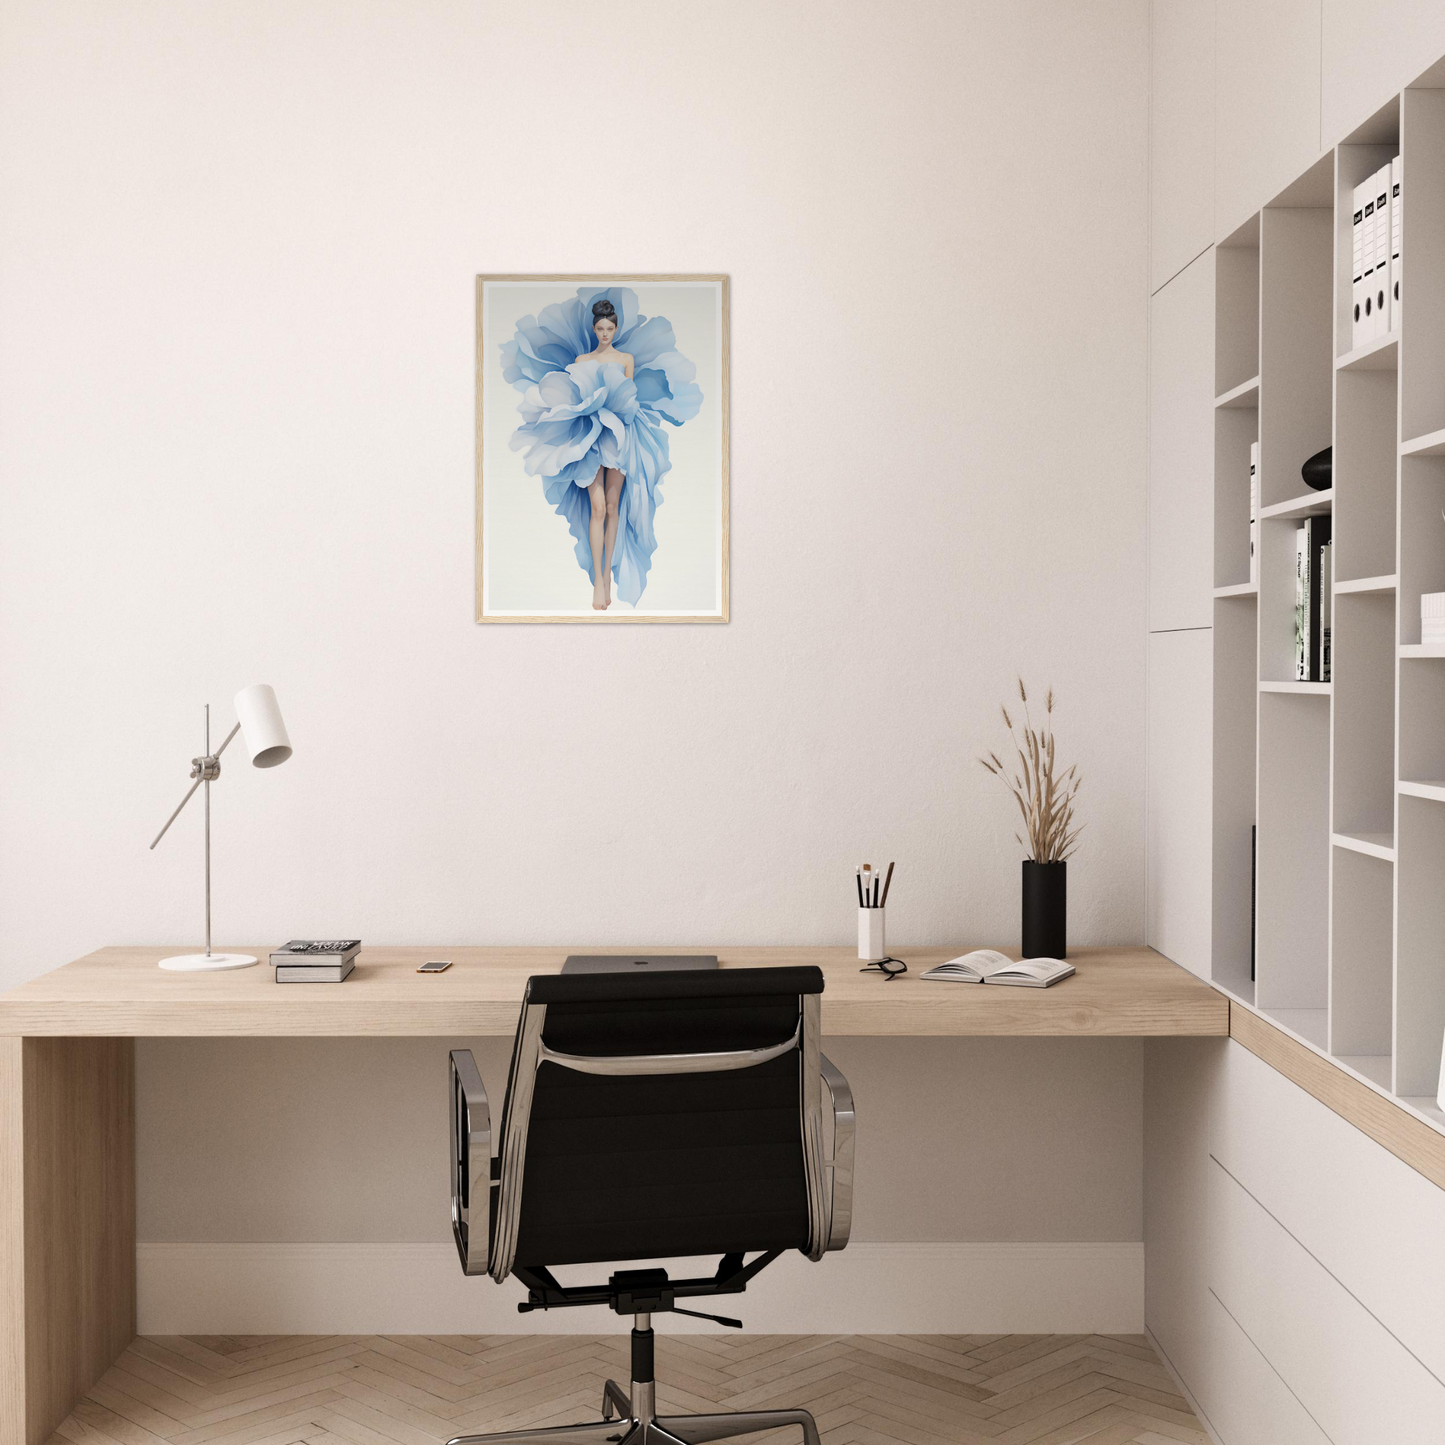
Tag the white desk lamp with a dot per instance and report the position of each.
(258, 720)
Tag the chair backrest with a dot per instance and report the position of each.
(662, 1115)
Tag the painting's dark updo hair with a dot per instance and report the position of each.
(604, 310)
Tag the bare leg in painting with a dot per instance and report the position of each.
(598, 496)
(614, 492)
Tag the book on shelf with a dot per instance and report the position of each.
(314, 972)
(1309, 609)
(988, 965)
(1254, 513)
(1301, 606)
(1326, 606)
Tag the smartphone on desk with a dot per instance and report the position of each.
(435, 965)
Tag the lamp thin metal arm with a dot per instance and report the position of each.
(177, 813)
(193, 787)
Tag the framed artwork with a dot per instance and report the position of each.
(602, 449)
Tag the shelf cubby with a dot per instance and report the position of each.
(1235, 429)
(1365, 459)
(1294, 852)
(1420, 963)
(1422, 721)
(1236, 313)
(1362, 902)
(1364, 703)
(1422, 537)
(1422, 254)
(1236, 706)
(1296, 368)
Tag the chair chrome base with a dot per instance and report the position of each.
(637, 1425)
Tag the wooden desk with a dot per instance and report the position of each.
(67, 1091)
(119, 992)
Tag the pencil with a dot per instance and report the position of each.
(887, 884)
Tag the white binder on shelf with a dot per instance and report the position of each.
(1357, 267)
(1254, 513)
(1396, 225)
(1382, 251)
(1367, 323)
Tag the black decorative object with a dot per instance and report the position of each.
(1319, 471)
(1046, 908)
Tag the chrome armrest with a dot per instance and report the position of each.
(471, 1126)
(840, 1166)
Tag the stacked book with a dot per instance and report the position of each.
(1312, 600)
(315, 960)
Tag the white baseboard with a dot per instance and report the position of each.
(312, 1289)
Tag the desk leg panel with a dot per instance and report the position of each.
(67, 1224)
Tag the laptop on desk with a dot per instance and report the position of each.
(637, 962)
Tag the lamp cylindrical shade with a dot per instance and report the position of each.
(262, 730)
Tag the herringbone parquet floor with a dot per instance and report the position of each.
(421, 1389)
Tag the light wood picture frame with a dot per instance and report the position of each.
(600, 398)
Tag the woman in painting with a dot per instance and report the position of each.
(605, 489)
(598, 381)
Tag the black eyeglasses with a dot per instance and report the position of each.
(890, 968)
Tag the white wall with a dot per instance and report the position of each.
(237, 374)
(237, 254)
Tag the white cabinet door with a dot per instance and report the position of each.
(1370, 52)
(1358, 1382)
(1246, 1401)
(1178, 901)
(1181, 134)
(1266, 103)
(1181, 450)
(1366, 1216)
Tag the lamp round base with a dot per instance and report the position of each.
(206, 962)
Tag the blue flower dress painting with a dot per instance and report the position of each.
(601, 449)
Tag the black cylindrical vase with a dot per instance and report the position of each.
(1046, 909)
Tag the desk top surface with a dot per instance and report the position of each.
(119, 992)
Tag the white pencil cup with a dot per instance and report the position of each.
(871, 946)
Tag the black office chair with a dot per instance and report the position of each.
(650, 1117)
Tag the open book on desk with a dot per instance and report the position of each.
(987, 965)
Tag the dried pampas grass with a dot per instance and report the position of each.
(1046, 801)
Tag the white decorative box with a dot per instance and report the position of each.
(1432, 617)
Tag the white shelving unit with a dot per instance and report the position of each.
(1344, 781)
